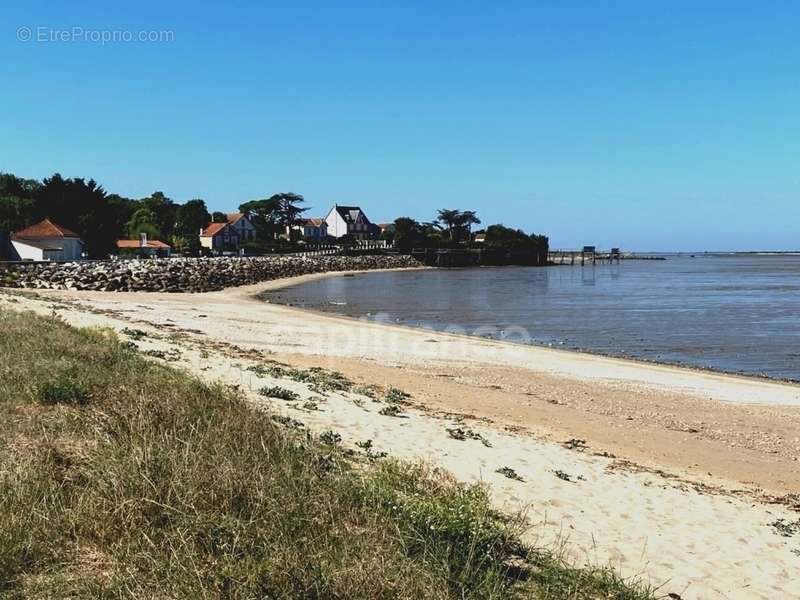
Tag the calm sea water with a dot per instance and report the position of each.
(730, 313)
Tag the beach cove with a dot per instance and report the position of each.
(669, 474)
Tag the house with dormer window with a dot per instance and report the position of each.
(350, 220)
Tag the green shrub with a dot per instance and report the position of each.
(280, 393)
(63, 390)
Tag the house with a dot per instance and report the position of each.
(144, 247)
(219, 237)
(47, 241)
(243, 227)
(350, 220)
(480, 238)
(314, 229)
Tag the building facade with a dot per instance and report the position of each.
(47, 241)
(219, 237)
(350, 220)
(243, 227)
(313, 229)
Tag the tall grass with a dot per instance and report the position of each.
(120, 477)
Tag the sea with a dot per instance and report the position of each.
(737, 313)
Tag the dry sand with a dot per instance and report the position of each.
(674, 474)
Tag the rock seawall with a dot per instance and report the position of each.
(185, 274)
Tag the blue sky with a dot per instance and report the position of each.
(646, 125)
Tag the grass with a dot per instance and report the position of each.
(121, 477)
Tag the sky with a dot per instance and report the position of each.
(669, 125)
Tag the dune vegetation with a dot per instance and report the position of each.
(123, 477)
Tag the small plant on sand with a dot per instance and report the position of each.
(566, 476)
(510, 473)
(330, 437)
(168, 355)
(786, 528)
(461, 434)
(391, 411)
(366, 446)
(396, 396)
(310, 405)
(575, 444)
(288, 422)
(134, 334)
(319, 380)
(280, 393)
(366, 390)
(63, 390)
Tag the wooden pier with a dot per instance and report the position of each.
(588, 254)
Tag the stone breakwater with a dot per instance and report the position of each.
(185, 274)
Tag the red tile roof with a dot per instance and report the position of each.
(314, 222)
(234, 217)
(125, 244)
(45, 229)
(213, 229)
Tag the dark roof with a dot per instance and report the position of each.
(350, 213)
(45, 229)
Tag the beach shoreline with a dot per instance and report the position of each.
(666, 468)
(260, 292)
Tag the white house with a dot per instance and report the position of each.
(350, 220)
(47, 241)
(243, 227)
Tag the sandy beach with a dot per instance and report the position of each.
(677, 476)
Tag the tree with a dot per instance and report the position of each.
(275, 214)
(219, 217)
(263, 215)
(407, 233)
(449, 218)
(15, 213)
(534, 247)
(84, 207)
(191, 218)
(289, 210)
(143, 220)
(465, 221)
(12, 186)
(165, 211)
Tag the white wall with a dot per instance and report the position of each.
(72, 249)
(26, 252)
(337, 227)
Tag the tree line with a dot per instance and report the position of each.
(102, 218)
(454, 228)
